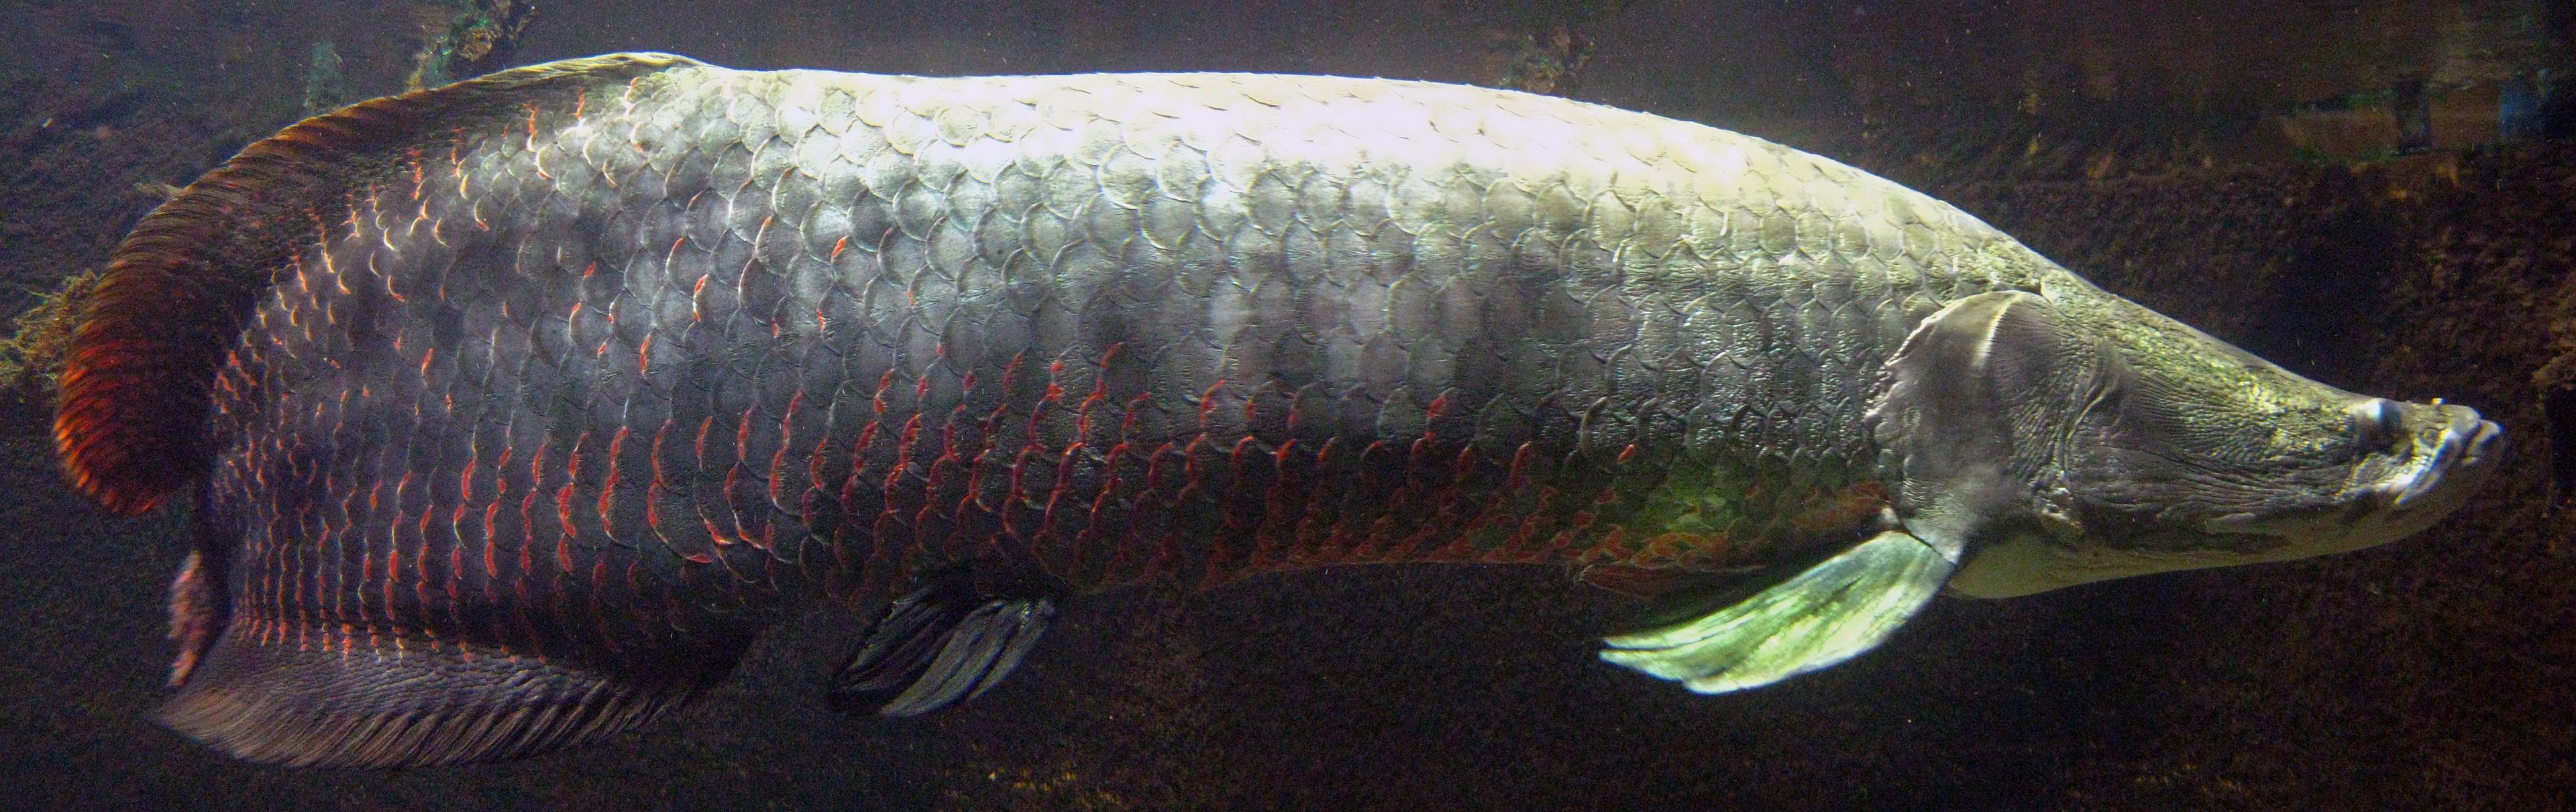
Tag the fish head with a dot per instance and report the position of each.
(2127, 443)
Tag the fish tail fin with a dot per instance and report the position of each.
(263, 697)
(1820, 616)
(132, 413)
(131, 407)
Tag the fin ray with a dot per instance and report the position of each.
(939, 646)
(277, 704)
(1824, 615)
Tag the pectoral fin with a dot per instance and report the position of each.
(939, 646)
(1824, 615)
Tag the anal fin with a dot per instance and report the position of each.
(1823, 615)
(198, 612)
(939, 646)
(279, 703)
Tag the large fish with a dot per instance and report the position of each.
(515, 409)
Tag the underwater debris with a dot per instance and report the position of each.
(33, 353)
(480, 38)
(1549, 52)
(159, 189)
(1548, 60)
(325, 88)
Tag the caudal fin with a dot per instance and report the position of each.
(130, 419)
(131, 426)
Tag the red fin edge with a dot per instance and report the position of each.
(130, 415)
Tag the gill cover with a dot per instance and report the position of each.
(1980, 404)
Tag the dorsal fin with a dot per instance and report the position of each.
(130, 418)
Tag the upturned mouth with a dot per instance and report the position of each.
(2466, 444)
(2432, 473)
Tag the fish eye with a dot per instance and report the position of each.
(2377, 422)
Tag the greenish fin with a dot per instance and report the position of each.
(1824, 615)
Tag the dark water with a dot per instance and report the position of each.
(2247, 168)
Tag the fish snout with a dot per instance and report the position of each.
(2451, 460)
(2485, 438)
(2425, 460)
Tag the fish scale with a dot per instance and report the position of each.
(535, 398)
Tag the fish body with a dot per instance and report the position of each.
(514, 410)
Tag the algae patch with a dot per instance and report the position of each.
(33, 353)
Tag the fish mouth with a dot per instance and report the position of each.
(2464, 450)
(2434, 480)
(2436, 474)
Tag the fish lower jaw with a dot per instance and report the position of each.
(2433, 481)
(2463, 447)
(2437, 481)
(2395, 509)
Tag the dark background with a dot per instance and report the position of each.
(2230, 163)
